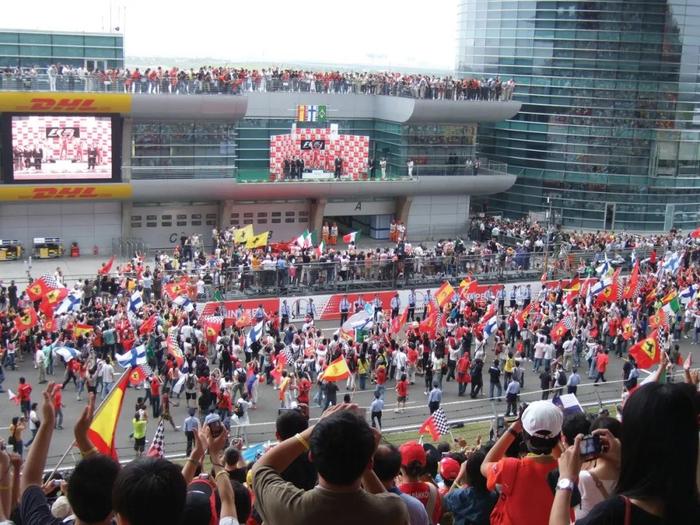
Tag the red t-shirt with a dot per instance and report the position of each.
(380, 375)
(524, 481)
(422, 492)
(57, 398)
(601, 362)
(413, 356)
(402, 388)
(155, 387)
(303, 391)
(24, 392)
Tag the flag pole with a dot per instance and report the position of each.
(94, 414)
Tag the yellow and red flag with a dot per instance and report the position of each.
(212, 327)
(337, 370)
(444, 294)
(647, 352)
(104, 424)
(83, 329)
(26, 321)
(137, 376)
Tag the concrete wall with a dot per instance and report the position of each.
(434, 216)
(87, 223)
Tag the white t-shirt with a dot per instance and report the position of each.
(590, 493)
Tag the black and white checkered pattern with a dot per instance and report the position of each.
(287, 353)
(157, 448)
(440, 421)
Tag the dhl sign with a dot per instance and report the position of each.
(61, 192)
(65, 102)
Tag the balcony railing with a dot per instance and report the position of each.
(26, 80)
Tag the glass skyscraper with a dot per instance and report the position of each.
(609, 132)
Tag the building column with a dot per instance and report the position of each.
(126, 149)
(403, 207)
(317, 210)
(127, 209)
(224, 214)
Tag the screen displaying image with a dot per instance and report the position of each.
(61, 147)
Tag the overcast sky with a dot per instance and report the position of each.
(416, 33)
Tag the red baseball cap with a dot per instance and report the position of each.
(449, 468)
(412, 452)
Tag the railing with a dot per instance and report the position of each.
(128, 248)
(90, 82)
(471, 414)
(410, 272)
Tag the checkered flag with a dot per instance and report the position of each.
(287, 355)
(436, 425)
(157, 448)
(441, 422)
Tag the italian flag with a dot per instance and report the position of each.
(350, 237)
(672, 306)
(319, 249)
(304, 240)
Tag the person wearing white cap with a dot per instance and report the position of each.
(523, 481)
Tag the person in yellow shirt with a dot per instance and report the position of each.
(508, 367)
(139, 430)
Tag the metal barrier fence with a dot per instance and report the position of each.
(464, 413)
(376, 274)
(127, 248)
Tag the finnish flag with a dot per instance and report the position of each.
(254, 334)
(687, 294)
(490, 326)
(184, 302)
(672, 262)
(66, 352)
(70, 304)
(135, 302)
(134, 357)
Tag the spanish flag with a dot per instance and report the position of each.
(104, 424)
(337, 370)
(257, 241)
(243, 234)
(83, 329)
(444, 294)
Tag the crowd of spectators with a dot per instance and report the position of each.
(239, 80)
(533, 472)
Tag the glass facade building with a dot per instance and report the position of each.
(41, 48)
(207, 149)
(609, 132)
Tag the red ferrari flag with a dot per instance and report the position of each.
(658, 319)
(41, 287)
(627, 328)
(52, 299)
(176, 288)
(398, 322)
(522, 315)
(611, 293)
(632, 287)
(695, 234)
(647, 352)
(567, 323)
(212, 327)
(148, 325)
(429, 325)
(26, 321)
(106, 267)
(137, 376)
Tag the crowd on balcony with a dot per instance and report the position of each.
(239, 80)
(641, 467)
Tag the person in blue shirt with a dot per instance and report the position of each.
(469, 501)
(434, 397)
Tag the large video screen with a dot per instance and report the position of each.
(61, 148)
